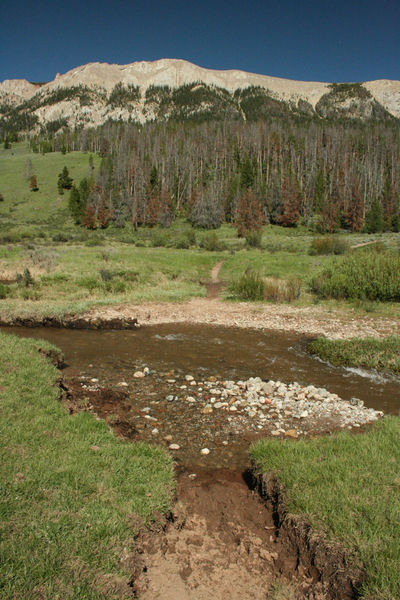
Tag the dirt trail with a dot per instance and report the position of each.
(214, 286)
(221, 543)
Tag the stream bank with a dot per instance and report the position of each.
(102, 376)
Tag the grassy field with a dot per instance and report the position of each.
(70, 491)
(369, 353)
(348, 487)
(74, 269)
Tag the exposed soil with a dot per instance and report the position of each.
(221, 542)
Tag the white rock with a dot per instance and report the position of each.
(138, 374)
(204, 451)
(174, 447)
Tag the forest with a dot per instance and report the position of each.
(288, 171)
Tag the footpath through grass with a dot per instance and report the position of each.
(368, 353)
(348, 487)
(70, 491)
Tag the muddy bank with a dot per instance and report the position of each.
(219, 542)
(338, 572)
(229, 536)
(72, 322)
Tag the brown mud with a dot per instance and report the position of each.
(229, 537)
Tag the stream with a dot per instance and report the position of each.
(99, 359)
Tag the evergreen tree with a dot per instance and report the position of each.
(75, 205)
(374, 218)
(64, 181)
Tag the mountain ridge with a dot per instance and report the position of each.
(45, 103)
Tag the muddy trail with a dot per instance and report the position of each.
(220, 542)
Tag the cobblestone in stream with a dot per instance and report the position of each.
(189, 413)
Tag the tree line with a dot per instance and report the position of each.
(284, 171)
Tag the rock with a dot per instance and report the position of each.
(190, 399)
(95, 448)
(303, 414)
(94, 380)
(155, 431)
(204, 451)
(168, 438)
(292, 433)
(138, 374)
(146, 371)
(174, 447)
(169, 398)
(171, 380)
(267, 388)
(189, 377)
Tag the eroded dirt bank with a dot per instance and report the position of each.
(221, 542)
(225, 539)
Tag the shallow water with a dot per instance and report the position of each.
(226, 352)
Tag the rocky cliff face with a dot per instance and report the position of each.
(176, 89)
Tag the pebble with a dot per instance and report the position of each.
(138, 374)
(174, 447)
(122, 384)
(155, 431)
(204, 451)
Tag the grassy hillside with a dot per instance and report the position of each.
(44, 209)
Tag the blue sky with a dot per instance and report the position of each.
(309, 40)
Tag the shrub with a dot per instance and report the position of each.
(30, 294)
(4, 291)
(328, 245)
(60, 237)
(25, 279)
(253, 239)
(282, 290)
(369, 274)
(94, 241)
(211, 243)
(89, 283)
(191, 237)
(249, 286)
(159, 240)
(182, 243)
